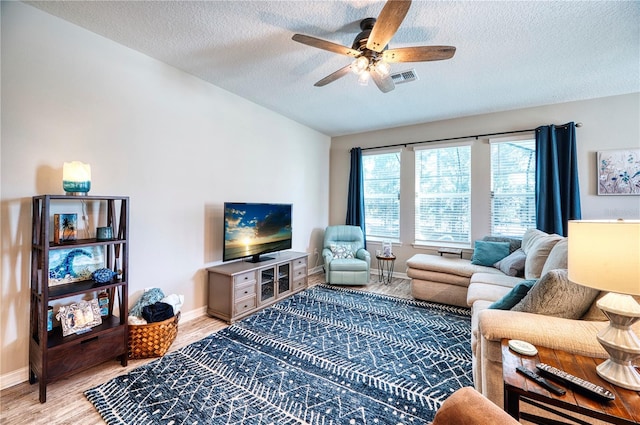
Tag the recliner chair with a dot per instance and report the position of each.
(346, 262)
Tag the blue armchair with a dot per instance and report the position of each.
(346, 262)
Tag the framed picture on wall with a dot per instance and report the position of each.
(619, 172)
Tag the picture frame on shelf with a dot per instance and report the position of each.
(75, 264)
(618, 172)
(79, 317)
(65, 228)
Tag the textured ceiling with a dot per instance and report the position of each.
(509, 54)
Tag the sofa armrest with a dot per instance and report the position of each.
(363, 254)
(466, 406)
(573, 336)
(327, 255)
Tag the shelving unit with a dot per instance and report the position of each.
(241, 288)
(53, 356)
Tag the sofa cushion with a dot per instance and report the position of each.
(514, 296)
(452, 279)
(537, 245)
(451, 265)
(486, 253)
(557, 258)
(490, 291)
(594, 312)
(512, 264)
(348, 264)
(554, 295)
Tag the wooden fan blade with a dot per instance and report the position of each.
(325, 45)
(334, 76)
(419, 54)
(387, 24)
(385, 84)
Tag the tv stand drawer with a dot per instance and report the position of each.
(245, 278)
(244, 305)
(244, 290)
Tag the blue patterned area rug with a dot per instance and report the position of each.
(323, 356)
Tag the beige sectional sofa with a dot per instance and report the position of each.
(458, 282)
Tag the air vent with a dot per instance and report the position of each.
(404, 76)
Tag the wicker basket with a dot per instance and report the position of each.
(153, 339)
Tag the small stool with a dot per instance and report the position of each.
(452, 251)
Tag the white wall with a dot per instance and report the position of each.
(179, 147)
(608, 123)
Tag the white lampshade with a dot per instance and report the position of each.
(76, 178)
(605, 255)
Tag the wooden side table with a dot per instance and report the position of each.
(385, 267)
(625, 409)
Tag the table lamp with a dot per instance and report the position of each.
(605, 255)
(76, 178)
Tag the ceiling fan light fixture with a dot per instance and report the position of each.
(363, 78)
(360, 64)
(382, 68)
(370, 52)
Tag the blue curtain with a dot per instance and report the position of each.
(557, 187)
(355, 200)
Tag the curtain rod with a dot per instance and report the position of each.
(476, 136)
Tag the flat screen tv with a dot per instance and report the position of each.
(254, 229)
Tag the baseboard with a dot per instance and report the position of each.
(14, 378)
(318, 269)
(397, 275)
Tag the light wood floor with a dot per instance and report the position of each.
(66, 403)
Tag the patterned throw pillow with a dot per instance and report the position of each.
(341, 251)
(555, 295)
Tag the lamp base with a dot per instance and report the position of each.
(76, 193)
(620, 341)
(622, 375)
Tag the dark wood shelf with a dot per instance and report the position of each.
(77, 288)
(51, 355)
(82, 243)
(55, 338)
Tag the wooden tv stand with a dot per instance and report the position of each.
(241, 288)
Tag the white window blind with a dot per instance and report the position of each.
(382, 195)
(443, 195)
(513, 167)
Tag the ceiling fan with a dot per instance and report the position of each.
(370, 51)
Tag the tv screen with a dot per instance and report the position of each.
(251, 230)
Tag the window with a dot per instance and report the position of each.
(443, 195)
(513, 167)
(382, 195)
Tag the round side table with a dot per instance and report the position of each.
(385, 268)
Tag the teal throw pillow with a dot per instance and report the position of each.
(488, 253)
(514, 296)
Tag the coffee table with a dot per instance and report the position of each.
(625, 409)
